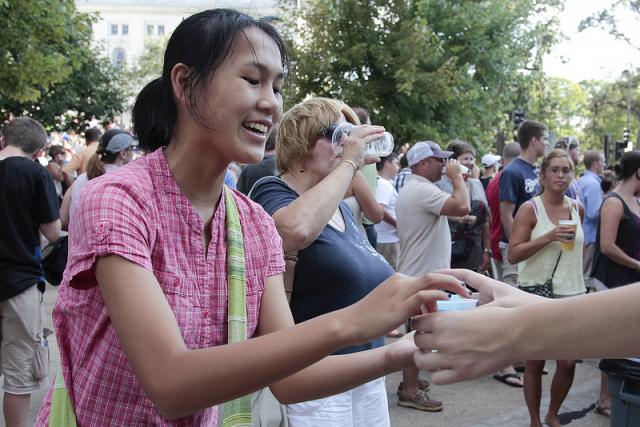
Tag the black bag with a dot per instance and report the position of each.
(546, 289)
(54, 260)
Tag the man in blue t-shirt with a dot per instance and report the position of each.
(519, 183)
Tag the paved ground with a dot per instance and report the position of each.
(481, 403)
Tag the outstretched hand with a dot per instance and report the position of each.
(396, 300)
(492, 292)
(473, 343)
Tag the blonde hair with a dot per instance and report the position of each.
(301, 126)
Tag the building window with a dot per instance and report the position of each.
(114, 29)
(125, 29)
(149, 30)
(161, 30)
(119, 57)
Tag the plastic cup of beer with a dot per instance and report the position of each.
(567, 245)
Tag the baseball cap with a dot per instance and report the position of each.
(425, 149)
(489, 160)
(120, 141)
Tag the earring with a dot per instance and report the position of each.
(301, 170)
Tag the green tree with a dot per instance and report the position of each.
(147, 67)
(607, 20)
(42, 43)
(47, 66)
(426, 69)
(91, 91)
(608, 102)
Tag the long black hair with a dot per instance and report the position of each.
(202, 42)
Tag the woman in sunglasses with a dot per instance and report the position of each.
(336, 264)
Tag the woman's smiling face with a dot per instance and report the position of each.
(243, 98)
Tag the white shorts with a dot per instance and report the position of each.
(365, 405)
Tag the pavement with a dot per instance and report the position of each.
(484, 402)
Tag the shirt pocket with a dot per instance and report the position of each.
(182, 295)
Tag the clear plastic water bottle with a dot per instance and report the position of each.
(380, 147)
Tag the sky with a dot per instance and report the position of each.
(593, 53)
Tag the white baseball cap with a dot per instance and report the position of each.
(489, 160)
(425, 149)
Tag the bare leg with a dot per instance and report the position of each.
(560, 386)
(410, 380)
(16, 409)
(533, 389)
(604, 401)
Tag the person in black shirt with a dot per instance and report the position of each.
(28, 206)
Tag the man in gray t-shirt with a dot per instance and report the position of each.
(425, 241)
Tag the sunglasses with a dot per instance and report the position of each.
(327, 131)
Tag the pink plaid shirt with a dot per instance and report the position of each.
(139, 213)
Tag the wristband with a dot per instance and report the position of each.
(352, 163)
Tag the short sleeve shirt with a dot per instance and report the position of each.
(338, 269)
(386, 195)
(425, 240)
(519, 182)
(27, 199)
(138, 213)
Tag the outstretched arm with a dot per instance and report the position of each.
(515, 326)
(180, 381)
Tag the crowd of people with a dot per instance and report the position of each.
(222, 233)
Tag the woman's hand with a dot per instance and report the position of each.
(485, 263)
(561, 233)
(468, 344)
(474, 343)
(492, 292)
(354, 144)
(396, 300)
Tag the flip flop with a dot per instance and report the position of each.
(520, 369)
(504, 378)
(601, 410)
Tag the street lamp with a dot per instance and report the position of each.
(627, 129)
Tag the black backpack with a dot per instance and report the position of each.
(54, 260)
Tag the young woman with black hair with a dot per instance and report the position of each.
(170, 272)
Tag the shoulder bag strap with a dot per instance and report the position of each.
(556, 266)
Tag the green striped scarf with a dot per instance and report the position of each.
(236, 412)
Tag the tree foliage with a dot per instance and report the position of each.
(47, 66)
(429, 69)
(91, 91)
(608, 102)
(607, 20)
(148, 66)
(41, 44)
